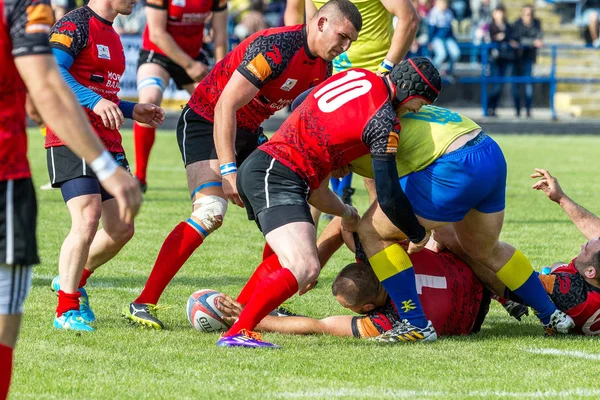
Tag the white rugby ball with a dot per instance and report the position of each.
(202, 311)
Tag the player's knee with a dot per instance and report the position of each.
(152, 88)
(87, 223)
(210, 211)
(123, 232)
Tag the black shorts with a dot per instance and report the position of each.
(18, 216)
(176, 71)
(195, 136)
(274, 195)
(66, 168)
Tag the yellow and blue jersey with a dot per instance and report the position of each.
(374, 40)
(424, 138)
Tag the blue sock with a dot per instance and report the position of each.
(402, 289)
(345, 182)
(533, 294)
(335, 185)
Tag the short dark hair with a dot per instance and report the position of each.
(357, 284)
(346, 9)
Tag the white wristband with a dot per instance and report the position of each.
(104, 166)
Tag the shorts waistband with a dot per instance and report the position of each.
(479, 142)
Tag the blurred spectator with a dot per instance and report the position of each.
(250, 16)
(442, 39)
(528, 32)
(132, 24)
(502, 56)
(591, 21)
(481, 22)
(422, 37)
(462, 12)
(61, 7)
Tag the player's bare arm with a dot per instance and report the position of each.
(294, 12)
(220, 38)
(587, 223)
(59, 108)
(237, 93)
(405, 31)
(328, 202)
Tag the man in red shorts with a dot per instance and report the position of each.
(220, 127)
(28, 65)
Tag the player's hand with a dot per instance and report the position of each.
(197, 71)
(230, 189)
(33, 113)
(230, 308)
(548, 184)
(416, 247)
(341, 172)
(126, 191)
(147, 113)
(111, 116)
(350, 219)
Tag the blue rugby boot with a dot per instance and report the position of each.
(72, 320)
(84, 301)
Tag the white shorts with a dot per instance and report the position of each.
(15, 282)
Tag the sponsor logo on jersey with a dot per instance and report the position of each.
(392, 144)
(67, 26)
(259, 67)
(178, 3)
(275, 55)
(289, 84)
(61, 38)
(40, 18)
(103, 51)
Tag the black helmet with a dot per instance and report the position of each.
(416, 77)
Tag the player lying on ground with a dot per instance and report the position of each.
(91, 59)
(220, 127)
(452, 174)
(28, 65)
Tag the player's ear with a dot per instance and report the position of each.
(590, 272)
(321, 23)
(369, 307)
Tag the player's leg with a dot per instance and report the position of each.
(152, 80)
(15, 281)
(478, 234)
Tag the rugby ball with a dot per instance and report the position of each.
(202, 311)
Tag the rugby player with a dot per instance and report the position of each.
(452, 173)
(91, 59)
(378, 48)
(220, 126)
(28, 65)
(347, 116)
(172, 49)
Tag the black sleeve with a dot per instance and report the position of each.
(158, 4)
(393, 200)
(71, 32)
(29, 22)
(219, 5)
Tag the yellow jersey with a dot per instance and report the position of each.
(424, 138)
(374, 39)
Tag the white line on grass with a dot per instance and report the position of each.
(396, 394)
(562, 353)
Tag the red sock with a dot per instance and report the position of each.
(6, 361)
(84, 277)
(274, 290)
(176, 249)
(499, 299)
(269, 265)
(143, 139)
(267, 251)
(67, 302)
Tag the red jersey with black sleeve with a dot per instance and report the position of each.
(342, 119)
(24, 31)
(573, 295)
(277, 61)
(185, 22)
(99, 63)
(452, 298)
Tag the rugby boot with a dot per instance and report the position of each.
(559, 323)
(284, 310)
(84, 301)
(72, 320)
(246, 339)
(404, 331)
(515, 310)
(143, 314)
(347, 195)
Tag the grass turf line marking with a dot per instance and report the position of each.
(397, 394)
(563, 353)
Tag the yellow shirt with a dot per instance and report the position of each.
(424, 138)
(374, 39)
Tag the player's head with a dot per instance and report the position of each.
(417, 82)
(588, 260)
(357, 288)
(333, 28)
(124, 7)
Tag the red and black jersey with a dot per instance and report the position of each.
(573, 295)
(450, 293)
(185, 22)
(99, 63)
(24, 31)
(277, 61)
(342, 119)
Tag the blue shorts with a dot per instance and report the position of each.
(82, 186)
(468, 178)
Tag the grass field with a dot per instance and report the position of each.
(506, 360)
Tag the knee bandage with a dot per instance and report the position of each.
(210, 212)
(152, 82)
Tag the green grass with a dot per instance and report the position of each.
(120, 361)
